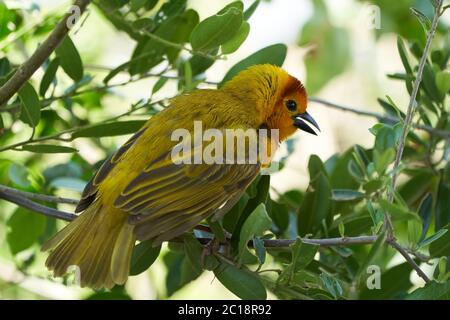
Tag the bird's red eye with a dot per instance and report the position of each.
(291, 105)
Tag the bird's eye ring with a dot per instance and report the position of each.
(291, 105)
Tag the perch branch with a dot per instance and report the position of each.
(26, 70)
(36, 207)
(36, 196)
(22, 199)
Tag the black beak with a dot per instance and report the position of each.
(299, 122)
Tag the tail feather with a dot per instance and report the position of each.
(99, 242)
(121, 257)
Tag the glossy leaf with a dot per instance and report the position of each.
(109, 129)
(48, 76)
(234, 43)
(25, 228)
(242, 283)
(48, 148)
(70, 59)
(144, 255)
(255, 225)
(30, 105)
(216, 30)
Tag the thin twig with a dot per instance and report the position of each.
(394, 244)
(27, 69)
(36, 196)
(36, 207)
(180, 46)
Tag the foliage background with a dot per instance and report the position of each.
(341, 59)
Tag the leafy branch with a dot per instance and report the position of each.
(409, 115)
(24, 199)
(388, 227)
(27, 69)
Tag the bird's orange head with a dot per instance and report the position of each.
(280, 99)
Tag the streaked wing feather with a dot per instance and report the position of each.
(90, 190)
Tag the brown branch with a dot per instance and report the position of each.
(327, 242)
(36, 207)
(394, 244)
(20, 198)
(36, 196)
(27, 69)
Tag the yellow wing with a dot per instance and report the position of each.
(168, 199)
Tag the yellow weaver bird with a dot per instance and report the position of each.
(139, 193)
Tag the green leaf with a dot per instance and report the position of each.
(255, 225)
(150, 52)
(48, 148)
(425, 212)
(274, 54)
(144, 255)
(193, 250)
(159, 84)
(31, 106)
(180, 271)
(332, 285)
(355, 171)
(143, 24)
(423, 19)
(302, 255)
(279, 213)
(346, 195)
(135, 5)
(442, 209)
(443, 81)
(234, 43)
(315, 207)
(70, 59)
(242, 283)
(397, 212)
(441, 247)
(403, 55)
(109, 129)
(19, 175)
(432, 291)
(382, 159)
(24, 229)
(249, 12)
(117, 70)
(432, 238)
(262, 184)
(430, 85)
(414, 230)
(376, 215)
(48, 76)
(235, 4)
(216, 30)
(260, 250)
(387, 136)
